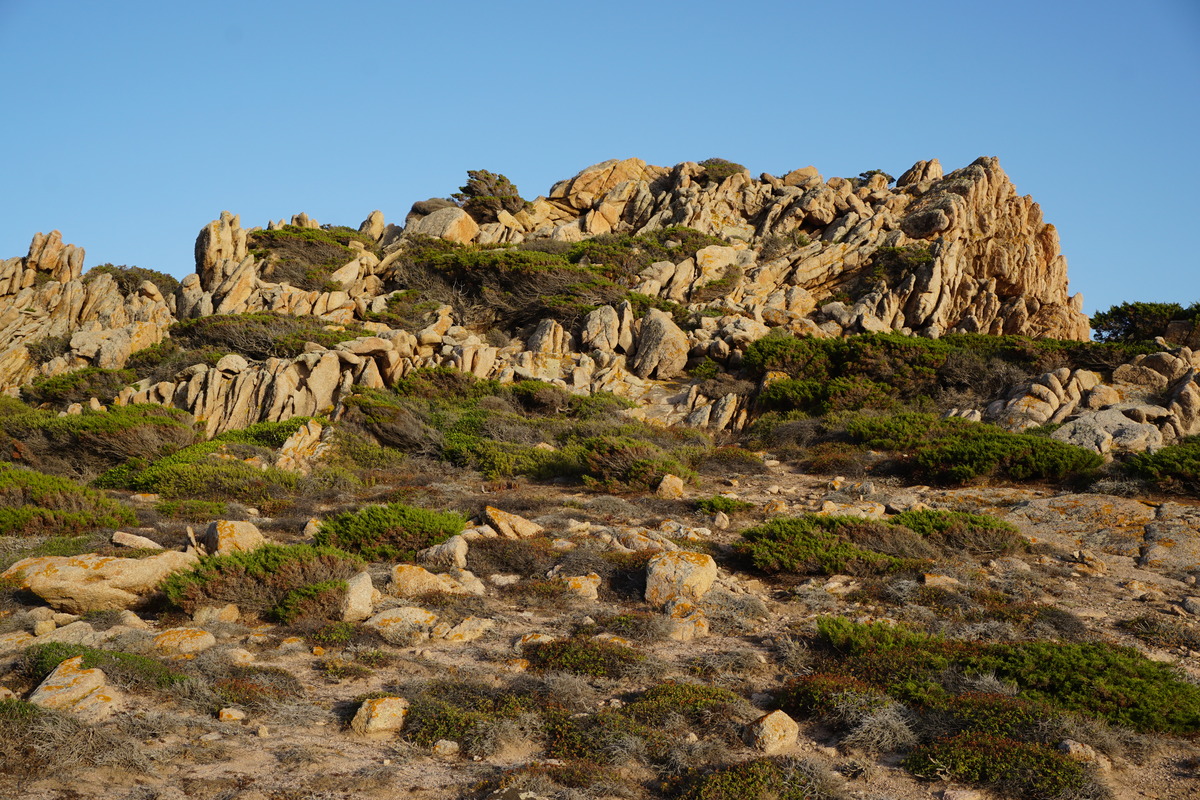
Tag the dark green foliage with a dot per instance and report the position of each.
(487, 194)
(392, 532)
(1174, 468)
(717, 170)
(595, 658)
(822, 397)
(1015, 769)
(35, 504)
(456, 710)
(620, 464)
(408, 309)
(813, 543)
(192, 510)
(978, 534)
(893, 264)
(78, 386)
(623, 256)
(126, 670)
(866, 176)
(294, 583)
(198, 472)
(954, 450)
(48, 348)
(819, 694)
(259, 336)
(129, 279)
(1116, 684)
(778, 778)
(729, 505)
(165, 360)
(1139, 322)
(305, 257)
(84, 444)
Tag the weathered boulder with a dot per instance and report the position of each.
(679, 575)
(79, 691)
(662, 348)
(93, 582)
(773, 733)
(225, 536)
(380, 716)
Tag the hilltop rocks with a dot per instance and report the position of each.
(93, 582)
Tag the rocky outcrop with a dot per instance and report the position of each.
(92, 582)
(43, 297)
(1149, 402)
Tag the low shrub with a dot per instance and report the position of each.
(978, 534)
(35, 504)
(165, 360)
(1156, 630)
(728, 505)
(392, 532)
(192, 510)
(78, 386)
(1015, 769)
(259, 336)
(954, 450)
(82, 445)
(290, 584)
(1174, 468)
(780, 778)
(130, 279)
(812, 543)
(595, 658)
(716, 170)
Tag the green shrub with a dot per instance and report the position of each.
(165, 360)
(1114, 683)
(48, 348)
(93, 441)
(979, 534)
(954, 450)
(1174, 468)
(716, 170)
(811, 543)
(620, 464)
(305, 257)
(728, 505)
(78, 386)
(621, 256)
(1139, 322)
(457, 710)
(199, 471)
(35, 504)
(292, 583)
(192, 510)
(1015, 769)
(129, 279)
(595, 658)
(487, 194)
(392, 532)
(778, 778)
(259, 336)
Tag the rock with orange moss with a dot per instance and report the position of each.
(93, 582)
(82, 692)
(679, 575)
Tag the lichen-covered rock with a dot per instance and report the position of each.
(380, 716)
(662, 348)
(184, 641)
(774, 733)
(225, 536)
(92, 582)
(679, 575)
(79, 691)
(511, 526)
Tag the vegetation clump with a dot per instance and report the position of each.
(280, 583)
(259, 336)
(391, 532)
(35, 504)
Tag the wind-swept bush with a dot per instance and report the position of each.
(392, 532)
(35, 504)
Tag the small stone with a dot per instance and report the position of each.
(670, 487)
(1191, 605)
(773, 733)
(231, 715)
(184, 641)
(225, 536)
(43, 627)
(380, 716)
(445, 748)
(511, 526)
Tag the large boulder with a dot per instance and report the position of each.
(679, 576)
(662, 349)
(92, 582)
(451, 223)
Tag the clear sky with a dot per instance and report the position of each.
(129, 125)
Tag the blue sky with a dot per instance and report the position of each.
(129, 125)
